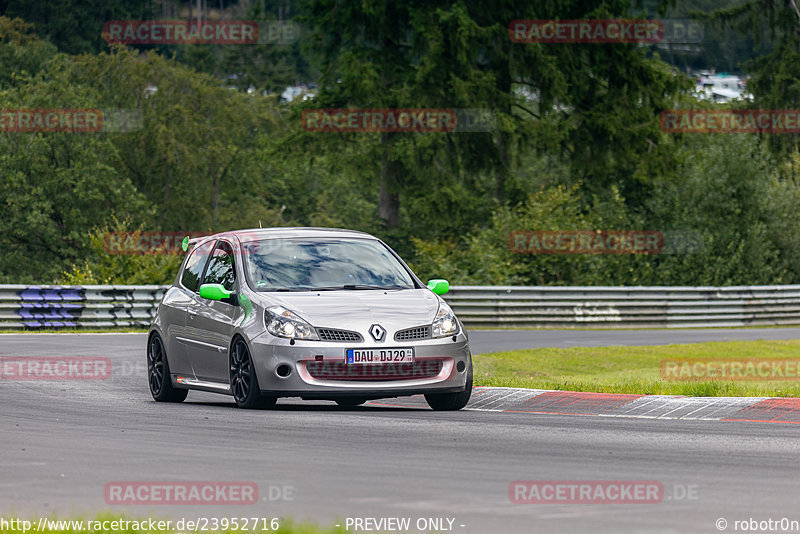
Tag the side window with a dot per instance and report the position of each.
(220, 268)
(190, 279)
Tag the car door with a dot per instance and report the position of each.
(210, 323)
(179, 302)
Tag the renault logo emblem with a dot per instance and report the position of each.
(377, 332)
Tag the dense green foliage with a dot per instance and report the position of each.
(576, 143)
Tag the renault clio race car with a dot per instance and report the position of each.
(314, 313)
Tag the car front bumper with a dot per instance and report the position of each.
(317, 369)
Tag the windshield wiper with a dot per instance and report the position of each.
(345, 287)
(352, 287)
(289, 289)
(305, 289)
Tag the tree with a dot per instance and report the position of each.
(195, 152)
(76, 26)
(775, 81)
(22, 53)
(56, 186)
(597, 103)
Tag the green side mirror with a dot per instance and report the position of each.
(214, 292)
(440, 287)
(185, 243)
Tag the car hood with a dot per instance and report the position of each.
(394, 309)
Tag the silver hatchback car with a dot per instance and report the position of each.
(315, 313)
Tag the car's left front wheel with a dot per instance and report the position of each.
(244, 383)
(451, 401)
(158, 373)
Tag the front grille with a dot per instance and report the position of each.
(418, 332)
(331, 334)
(383, 372)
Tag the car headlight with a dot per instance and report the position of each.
(284, 323)
(445, 323)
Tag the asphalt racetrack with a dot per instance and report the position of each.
(62, 442)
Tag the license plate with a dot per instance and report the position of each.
(369, 356)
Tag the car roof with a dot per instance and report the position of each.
(256, 234)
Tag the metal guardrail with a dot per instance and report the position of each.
(37, 307)
(626, 307)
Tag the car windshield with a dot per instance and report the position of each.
(323, 264)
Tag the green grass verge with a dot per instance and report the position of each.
(606, 328)
(634, 369)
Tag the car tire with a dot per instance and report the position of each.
(158, 375)
(244, 382)
(350, 402)
(451, 401)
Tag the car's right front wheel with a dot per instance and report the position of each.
(451, 401)
(244, 383)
